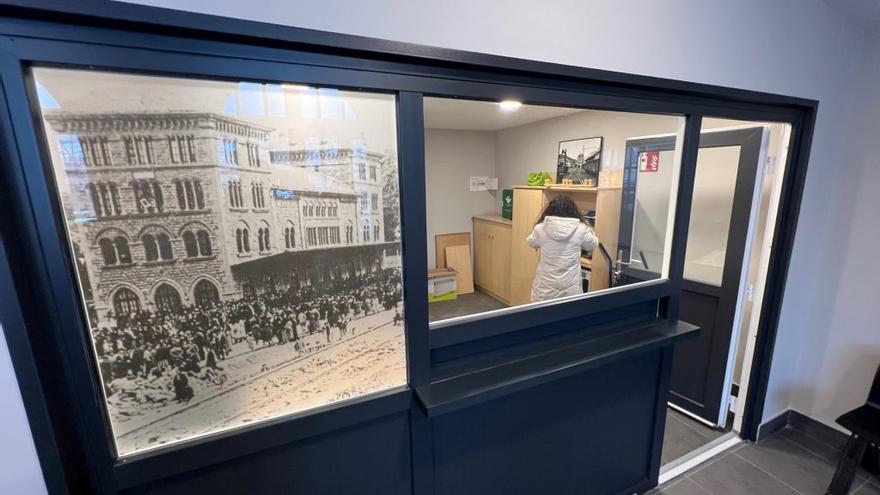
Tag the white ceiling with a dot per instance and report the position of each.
(865, 13)
(468, 115)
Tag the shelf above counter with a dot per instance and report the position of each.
(468, 389)
(560, 187)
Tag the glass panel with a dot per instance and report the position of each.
(529, 204)
(250, 318)
(714, 185)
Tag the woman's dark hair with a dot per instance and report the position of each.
(562, 206)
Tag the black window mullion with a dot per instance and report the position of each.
(683, 201)
(411, 167)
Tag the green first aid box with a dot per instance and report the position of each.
(507, 204)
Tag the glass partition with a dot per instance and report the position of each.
(529, 204)
(237, 245)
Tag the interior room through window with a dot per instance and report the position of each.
(530, 204)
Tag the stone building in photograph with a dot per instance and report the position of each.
(172, 209)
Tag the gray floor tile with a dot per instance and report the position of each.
(711, 433)
(679, 439)
(868, 488)
(466, 304)
(684, 435)
(732, 475)
(806, 472)
(815, 446)
(819, 432)
(683, 486)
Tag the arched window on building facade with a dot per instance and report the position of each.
(125, 302)
(289, 236)
(190, 195)
(108, 252)
(157, 246)
(190, 244)
(242, 240)
(165, 251)
(366, 231)
(256, 195)
(151, 249)
(204, 241)
(167, 298)
(235, 199)
(105, 199)
(115, 250)
(205, 294)
(263, 239)
(148, 196)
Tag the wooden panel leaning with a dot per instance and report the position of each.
(459, 259)
(443, 241)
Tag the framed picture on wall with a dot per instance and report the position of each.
(579, 160)
(236, 246)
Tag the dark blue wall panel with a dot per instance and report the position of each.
(372, 457)
(589, 433)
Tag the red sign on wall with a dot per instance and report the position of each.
(649, 161)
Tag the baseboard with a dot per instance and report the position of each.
(805, 424)
(817, 430)
(770, 427)
(820, 432)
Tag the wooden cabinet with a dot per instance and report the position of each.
(492, 256)
(504, 264)
(528, 204)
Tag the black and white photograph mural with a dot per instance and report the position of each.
(579, 160)
(237, 245)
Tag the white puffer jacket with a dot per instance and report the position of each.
(560, 241)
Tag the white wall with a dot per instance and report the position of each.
(533, 147)
(795, 47)
(19, 468)
(841, 351)
(451, 158)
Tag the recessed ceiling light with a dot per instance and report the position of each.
(510, 104)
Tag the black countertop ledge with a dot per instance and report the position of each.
(465, 390)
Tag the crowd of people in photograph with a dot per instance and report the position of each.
(191, 342)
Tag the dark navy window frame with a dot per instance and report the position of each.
(57, 362)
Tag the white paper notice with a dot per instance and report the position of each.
(478, 183)
(484, 184)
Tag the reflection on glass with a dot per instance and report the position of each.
(237, 246)
(714, 187)
(534, 203)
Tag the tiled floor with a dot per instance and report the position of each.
(467, 304)
(787, 463)
(684, 435)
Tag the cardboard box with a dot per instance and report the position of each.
(441, 285)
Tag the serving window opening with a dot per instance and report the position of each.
(528, 205)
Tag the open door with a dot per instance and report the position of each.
(724, 188)
(647, 175)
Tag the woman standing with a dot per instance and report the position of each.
(560, 235)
